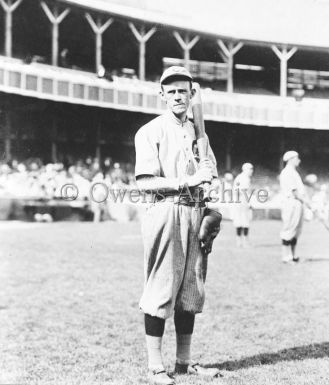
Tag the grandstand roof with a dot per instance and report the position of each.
(292, 22)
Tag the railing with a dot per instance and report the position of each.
(204, 70)
(273, 111)
(309, 79)
(65, 85)
(77, 87)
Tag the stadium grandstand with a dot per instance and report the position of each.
(79, 77)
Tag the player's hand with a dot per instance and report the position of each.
(205, 163)
(203, 175)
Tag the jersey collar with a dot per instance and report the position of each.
(175, 120)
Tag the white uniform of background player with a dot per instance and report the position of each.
(241, 212)
(292, 211)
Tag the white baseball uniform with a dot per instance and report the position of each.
(174, 265)
(241, 211)
(292, 209)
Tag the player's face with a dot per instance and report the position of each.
(250, 171)
(177, 96)
(295, 161)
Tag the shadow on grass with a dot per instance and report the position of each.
(308, 260)
(292, 354)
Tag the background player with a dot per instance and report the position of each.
(292, 212)
(241, 209)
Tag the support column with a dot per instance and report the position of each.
(186, 44)
(98, 151)
(53, 140)
(284, 56)
(227, 53)
(53, 151)
(55, 18)
(7, 136)
(98, 29)
(142, 37)
(228, 157)
(9, 7)
(282, 148)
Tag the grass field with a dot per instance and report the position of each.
(69, 307)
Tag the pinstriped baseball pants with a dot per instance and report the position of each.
(174, 267)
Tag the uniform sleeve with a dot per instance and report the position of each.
(300, 186)
(288, 182)
(147, 154)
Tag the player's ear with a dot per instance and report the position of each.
(161, 93)
(193, 91)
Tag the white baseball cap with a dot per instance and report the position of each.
(247, 166)
(175, 71)
(289, 155)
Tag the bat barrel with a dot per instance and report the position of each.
(199, 125)
(200, 132)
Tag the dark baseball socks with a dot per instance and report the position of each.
(184, 325)
(154, 329)
(289, 250)
(242, 234)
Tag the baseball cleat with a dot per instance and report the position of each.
(288, 261)
(160, 377)
(198, 370)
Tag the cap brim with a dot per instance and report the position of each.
(176, 76)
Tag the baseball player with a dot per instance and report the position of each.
(174, 264)
(292, 212)
(241, 211)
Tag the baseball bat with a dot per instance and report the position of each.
(200, 131)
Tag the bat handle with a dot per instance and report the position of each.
(206, 192)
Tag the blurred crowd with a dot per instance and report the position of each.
(32, 179)
(35, 180)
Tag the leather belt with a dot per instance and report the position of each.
(194, 198)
